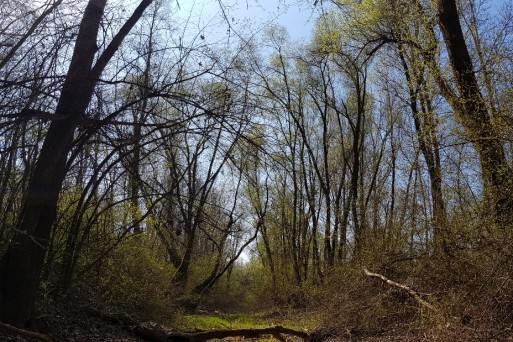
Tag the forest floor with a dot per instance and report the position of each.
(77, 319)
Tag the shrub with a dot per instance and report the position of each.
(136, 279)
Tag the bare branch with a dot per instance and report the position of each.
(403, 287)
(31, 30)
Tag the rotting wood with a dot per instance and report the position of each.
(403, 287)
(24, 333)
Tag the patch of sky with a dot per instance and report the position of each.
(217, 20)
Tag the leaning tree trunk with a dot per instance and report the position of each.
(474, 116)
(21, 265)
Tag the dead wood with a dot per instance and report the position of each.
(154, 332)
(403, 287)
(275, 331)
(24, 333)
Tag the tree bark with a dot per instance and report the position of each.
(474, 116)
(21, 265)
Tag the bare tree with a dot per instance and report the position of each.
(21, 265)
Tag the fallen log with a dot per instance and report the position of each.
(414, 294)
(24, 333)
(154, 332)
(275, 331)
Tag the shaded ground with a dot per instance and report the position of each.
(76, 318)
(70, 320)
(435, 335)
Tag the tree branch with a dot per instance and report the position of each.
(403, 287)
(247, 333)
(31, 30)
(24, 333)
(105, 57)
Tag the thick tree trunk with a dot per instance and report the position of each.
(181, 275)
(21, 265)
(496, 173)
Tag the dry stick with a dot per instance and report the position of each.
(24, 333)
(407, 289)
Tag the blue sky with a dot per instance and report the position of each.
(249, 16)
(252, 16)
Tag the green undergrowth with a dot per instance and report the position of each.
(209, 321)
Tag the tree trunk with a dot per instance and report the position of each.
(140, 113)
(21, 265)
(474, 116)
(181, 275)
(426, 129)
(357, 148)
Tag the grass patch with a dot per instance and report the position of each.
(195, 322)
(192, 322)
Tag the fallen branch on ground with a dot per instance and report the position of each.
(275, 331)
(156, 333)
(24, 333)
(403, 287)
(151, 331)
